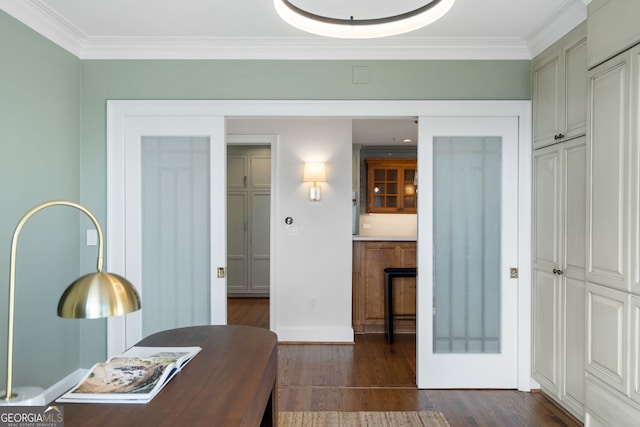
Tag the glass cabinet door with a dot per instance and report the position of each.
(391, 185)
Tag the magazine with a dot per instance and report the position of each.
(134, 376)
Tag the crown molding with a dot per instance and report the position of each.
(36, 15)
(41, 19)
(568, 16)
(303, 48)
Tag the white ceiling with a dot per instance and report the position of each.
(251, 29)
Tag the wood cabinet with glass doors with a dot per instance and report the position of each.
(391, 186)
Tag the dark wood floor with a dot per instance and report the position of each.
(375, 376)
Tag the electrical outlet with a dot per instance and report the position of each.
(313, 302)
(366, 225)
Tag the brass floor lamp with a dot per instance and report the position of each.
(91, 296)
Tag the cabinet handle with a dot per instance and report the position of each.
(557, 271)
(558, 136)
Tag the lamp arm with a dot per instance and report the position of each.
(12, 275)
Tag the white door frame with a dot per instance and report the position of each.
(272, 142)
(118, 111)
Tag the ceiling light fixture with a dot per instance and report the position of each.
(362, 28)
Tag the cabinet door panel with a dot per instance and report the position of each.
(605, 15)
(546, 335)
(635, 350)
(574, 343)
(635, 172)
(547, 106)
(607, 171)
(260, 170)
(575, 62)
(546, 216)
(376, 259)
(236, 171)
(404, 295)
(260, 242)
(237, 262)
(575, 206)
(391, 186)
(607, 341)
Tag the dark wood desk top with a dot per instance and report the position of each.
(229, 383)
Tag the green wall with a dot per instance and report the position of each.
(316, 80)
(53, 130)
(271, 80)
(39, 158)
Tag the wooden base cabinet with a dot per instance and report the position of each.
(370, 258)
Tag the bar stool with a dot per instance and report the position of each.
(389, 315)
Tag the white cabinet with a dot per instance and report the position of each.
(612, 392)
(635, 349)
(559, 226)
(613, 28)
(560, 90)
(248, 219)
(608, 172)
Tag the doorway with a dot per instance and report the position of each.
(248, 219)
(248, 229)
(331, 323)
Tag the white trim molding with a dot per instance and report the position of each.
(568, 16)
(50, 24)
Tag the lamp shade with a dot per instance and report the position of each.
(97, 295)
(314, 172)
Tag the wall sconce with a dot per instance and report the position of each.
(314, 172)
(91, 296)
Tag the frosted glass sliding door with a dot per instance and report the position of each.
(468, 181)
(466, 229)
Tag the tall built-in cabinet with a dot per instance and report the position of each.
(586, 210)
(613, 315)
(248, 219)
(559, 271)
(559, 220)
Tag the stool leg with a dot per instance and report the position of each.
(388, 308)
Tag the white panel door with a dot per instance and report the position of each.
(174, 217)
(469, 180)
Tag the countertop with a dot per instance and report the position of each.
(358, 238)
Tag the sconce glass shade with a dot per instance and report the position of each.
(98, 295)
(314, 172)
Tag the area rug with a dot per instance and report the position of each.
(361, 419)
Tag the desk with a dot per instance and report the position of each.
(230, 383)
(389, 315)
